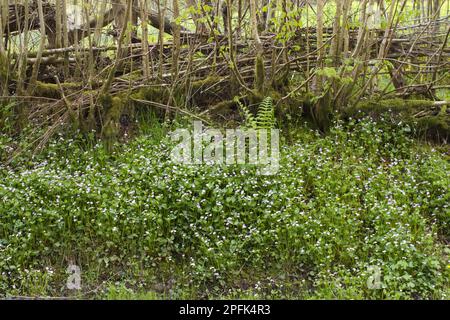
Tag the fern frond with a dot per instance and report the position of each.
(250, 120)
(265, 118)
(266, 114)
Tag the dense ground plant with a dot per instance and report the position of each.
(362, 197)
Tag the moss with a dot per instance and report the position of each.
(234, 86)
(435, 127)
(206, 92)
(223, 108)
(5, 75)
(132, 76)
(52, 90)
(255, 98)
(154, 93)
(260, 74)
(113, 107)
(204, 83)
(114, 113)
(422, 115)
(48, 90)
(389, 105)
(105, 102)
(157, 94)
(322, 112)
(4, 68)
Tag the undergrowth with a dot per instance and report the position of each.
(140, 226)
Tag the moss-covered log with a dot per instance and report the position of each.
(53, 90)
(427, 118)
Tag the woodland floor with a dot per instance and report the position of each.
(363, 196)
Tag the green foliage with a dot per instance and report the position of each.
(338, 75)
(286, 24)
(7, 118)
(265, 118)
(121, 292)
(249, 118)
(363, 195)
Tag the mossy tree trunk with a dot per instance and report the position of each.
(260, 71)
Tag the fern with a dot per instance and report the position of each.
(266, 114)
(265, 118)
(250, 120)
